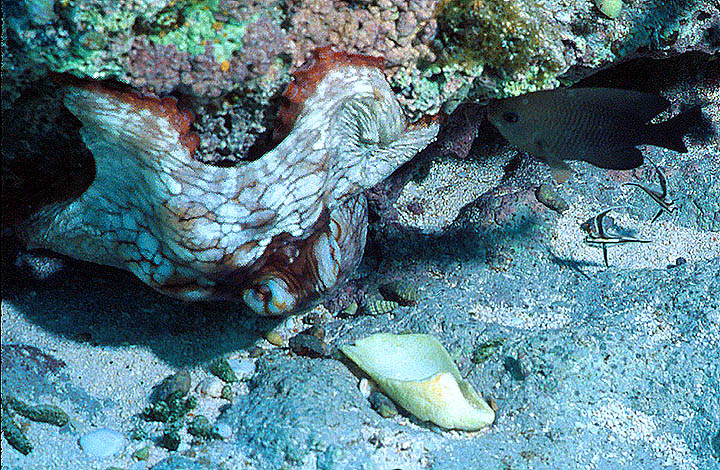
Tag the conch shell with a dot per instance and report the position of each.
(416, 371)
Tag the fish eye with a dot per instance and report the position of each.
(510, 117)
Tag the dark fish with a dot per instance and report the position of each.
(666, 204)
(596, 235)
(601, 126)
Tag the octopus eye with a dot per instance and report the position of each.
(510, 117)
(270, 296)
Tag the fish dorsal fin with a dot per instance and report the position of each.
(599, 222)
(644, 106)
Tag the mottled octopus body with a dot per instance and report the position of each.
(277, 232)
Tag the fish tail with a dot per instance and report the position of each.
(669, 134)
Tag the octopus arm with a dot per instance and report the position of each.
(143, 155)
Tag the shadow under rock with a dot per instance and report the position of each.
(104, 306)
(461, 241)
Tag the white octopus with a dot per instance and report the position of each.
(276, 233)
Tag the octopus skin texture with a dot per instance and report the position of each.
(277, 232)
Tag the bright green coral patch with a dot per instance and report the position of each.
(199, 29)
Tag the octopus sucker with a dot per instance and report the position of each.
(277, 232)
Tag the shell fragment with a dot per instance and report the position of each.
(417, 372)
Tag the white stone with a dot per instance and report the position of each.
(102, 443)
(243, 368)
(365, 387)
(223, 430)
(211, 387)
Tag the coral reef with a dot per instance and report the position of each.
(230, 59)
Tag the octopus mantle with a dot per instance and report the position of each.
(277, 232)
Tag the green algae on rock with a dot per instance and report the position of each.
(221, 369)
(50, 414)
(13, 433)
(417, 372)
(501, 34)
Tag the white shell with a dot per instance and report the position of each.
(418, 374)
(211, 387)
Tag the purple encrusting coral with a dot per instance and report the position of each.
(400, 31)
(164, 69)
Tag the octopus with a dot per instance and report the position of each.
(277, 233)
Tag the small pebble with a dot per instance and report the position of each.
(316, 331)
(242, 368)
(211, 387)
(13, 433)
(365, 387)
(173, 386)
(547, 196)
(159, 412)
(351, 309)
(142, 454)
(516, 368)
(50, 414)
(221, 369)
(256, 352)
(485, 350)
(102, 443)
(200, 427)
(170, 440)
(610, 8)
(307, 345)
(223, 430)
(382, 404)
(274, 337)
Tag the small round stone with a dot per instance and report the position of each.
(275, 338)
(307, 345)
(142, 454)
(176, 385)
(365, 387)
(223, 430)
(243, 368)
(211, 387)
(547, 196)
(102, 443)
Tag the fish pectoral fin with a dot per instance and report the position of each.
(560, 170)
